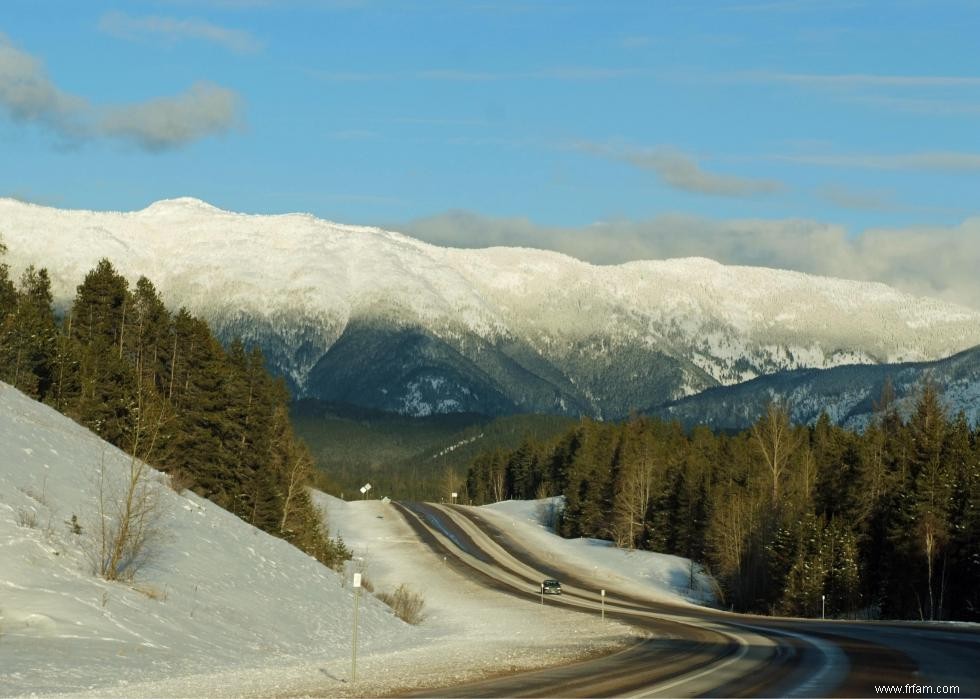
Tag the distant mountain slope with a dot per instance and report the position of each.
(402, 456)
(847, 393)
(373, 317)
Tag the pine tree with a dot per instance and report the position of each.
(933, 487)
(107, 381)
(806, 577)
(523, 471)
(149, 341)
(8, 294)
(28, 337)
(843, 573)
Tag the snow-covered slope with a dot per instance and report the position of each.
(379, 319)
(219, 595)
(648, 574)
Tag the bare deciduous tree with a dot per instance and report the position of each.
(498, 478)
(634, 490)
(298, 473)
(129, 507)
(777, 441)
(127, 521)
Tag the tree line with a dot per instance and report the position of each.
(161, 387)
(879, 523)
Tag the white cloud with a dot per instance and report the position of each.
(933, 261)
(171, 30)
(567, 73)
(169, 122)
(936, 161)
(848, 198)
(681, 171)
(855, 80)
(28, 95)
(931, 95)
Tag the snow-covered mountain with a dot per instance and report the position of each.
(847, 394)
(378, 319)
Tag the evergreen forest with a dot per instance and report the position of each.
(159, 386)
(879, 524)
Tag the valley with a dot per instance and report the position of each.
(188, 626)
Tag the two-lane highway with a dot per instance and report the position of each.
(678, 658)
(694, 651)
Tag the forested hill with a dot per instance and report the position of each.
(159, 386)
(407, 458)
(847, 394)
(884, 522)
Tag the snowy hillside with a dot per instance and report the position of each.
(371, 317)
(219, 595)
(642, 573)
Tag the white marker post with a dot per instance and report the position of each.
(823, 606)
(603, 594)
(542, 593)
(357, 599)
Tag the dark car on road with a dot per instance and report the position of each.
(551, 587)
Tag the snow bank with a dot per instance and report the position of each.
(656, 576)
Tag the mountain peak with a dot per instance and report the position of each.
(180, 204)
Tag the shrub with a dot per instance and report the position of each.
(179, 480)
(406, 605)
(127, 521)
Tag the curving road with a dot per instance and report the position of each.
(694, 651)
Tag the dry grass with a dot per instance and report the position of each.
(179, 481)
(406, 605)
(154, 593)
(27, 517)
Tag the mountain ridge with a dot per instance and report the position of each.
(847, 394)
(533, 329)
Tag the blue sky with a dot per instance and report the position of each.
(521, 122)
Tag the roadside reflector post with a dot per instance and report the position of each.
(357, 599)
(602, 593)
(542, 593)
(823, 606)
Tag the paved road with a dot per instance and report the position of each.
(693, 651)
